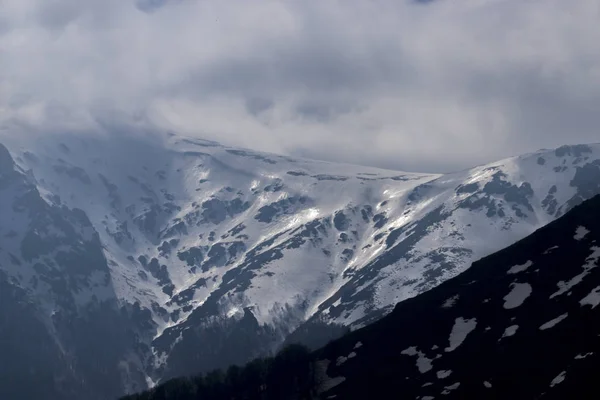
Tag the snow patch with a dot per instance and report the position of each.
(462, 327)
(553, 322)
(444, 374)
(450, 388)
(580, 233)
(233, 311)
(559, 379)
(582, 356)
(423, 363)
(327, 382)
(340, 360)
(591, 263)
(519, 268)
(592, 299)
(510, 331)
(550, 249)
(151, 384)
(450, 302)
(358, 345)
(518, 294)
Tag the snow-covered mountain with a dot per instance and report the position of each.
(520, 324)
(209, 255)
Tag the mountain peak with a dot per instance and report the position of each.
(6, 160)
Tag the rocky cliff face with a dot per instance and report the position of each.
(64, 333)
(193, 255)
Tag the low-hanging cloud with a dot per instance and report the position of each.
(435, 85)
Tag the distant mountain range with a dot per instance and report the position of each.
(128, 260)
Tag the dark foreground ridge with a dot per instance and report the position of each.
(522, 323)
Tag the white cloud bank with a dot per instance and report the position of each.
(404, 84)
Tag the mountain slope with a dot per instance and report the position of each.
(522, 323)
(212, 244)
(61, 323)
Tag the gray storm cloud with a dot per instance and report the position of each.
(429, 86)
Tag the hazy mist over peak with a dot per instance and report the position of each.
(422, 86)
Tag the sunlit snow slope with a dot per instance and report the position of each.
(217, 243)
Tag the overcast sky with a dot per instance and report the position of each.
(414, 85)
